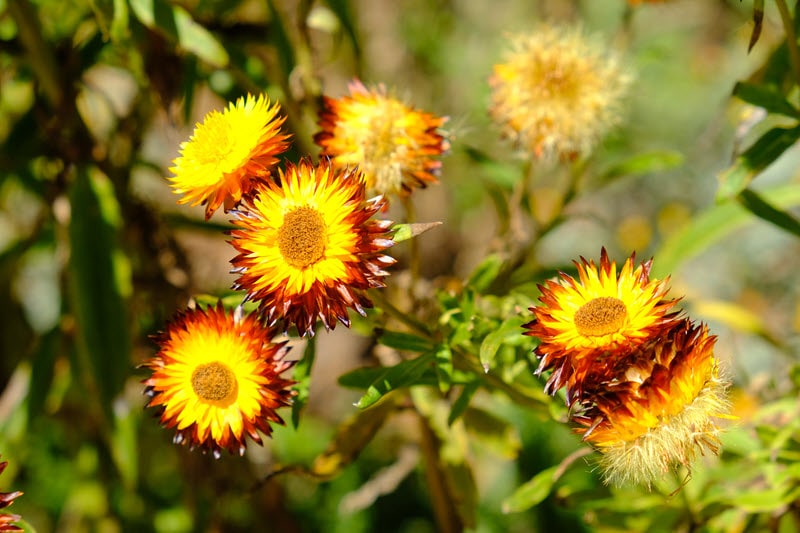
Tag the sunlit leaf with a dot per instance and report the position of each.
(643, 164)
(485, 273)
(533, 492)
(396, 377)
(755, 159)
(712, 225)
(403, 232)
(511, 328)
(444, 367)
(178, 24)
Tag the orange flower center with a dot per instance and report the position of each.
(215, 382)
(601, 316)
(302, 237)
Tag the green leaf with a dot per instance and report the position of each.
(508, 331)
(403, 232)
(302, 375)
(177, 23)
(765, 96)
(764, 210)
(533, 492)
(42, 371)
(755, 159)
(404, 341)
(99, 278)
(712, 225)
(462, 402)
(485, 273)
(362, 378)
(643, 164)
(444, 367)
(396, 377)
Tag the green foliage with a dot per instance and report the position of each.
(428, 414)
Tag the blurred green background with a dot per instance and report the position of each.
(95, 256)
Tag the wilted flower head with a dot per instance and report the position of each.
(658, 409)
(558, 92)
(6, 499)
(580, 321)
(396, 146)
(308, 247)
(216, 379)
(229, 153)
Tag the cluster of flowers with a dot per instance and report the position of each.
(308, 249)
(641, 381)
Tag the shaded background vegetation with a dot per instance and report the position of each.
(95, 256)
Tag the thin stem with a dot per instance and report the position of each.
(791, 38)
(415, 325)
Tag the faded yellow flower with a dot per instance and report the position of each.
(558, 93)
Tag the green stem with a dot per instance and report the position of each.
(791, 38)
(413, 324)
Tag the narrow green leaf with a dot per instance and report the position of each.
(714, 224)
(404, 341)
(485, 273)
(42, 371)
(755, 159)
(765, 96)
(462, 402)
(510, 328)
(302, 375)
(764, 210)
(120, 21)
(444, 367)
(396, 377)
(493, 433)
(643, 164)
(403, 232)
(531, 493)
(362, 378)
(99, 277)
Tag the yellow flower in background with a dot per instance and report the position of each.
(580, 321)
(229, 153)
(217, 379)
(396, 146)
(558, 93)
(6, 499)
(308, 248)
(659, 408)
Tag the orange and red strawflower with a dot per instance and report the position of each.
(217, 379)
(396, 146)
(309, 248)
(580, 321)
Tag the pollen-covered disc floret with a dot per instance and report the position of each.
(308, 247)
(229, 153)
(558, 93)
(580, 321)
(7, 498)
(217, 379)
(396, 146)
(659, 407)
